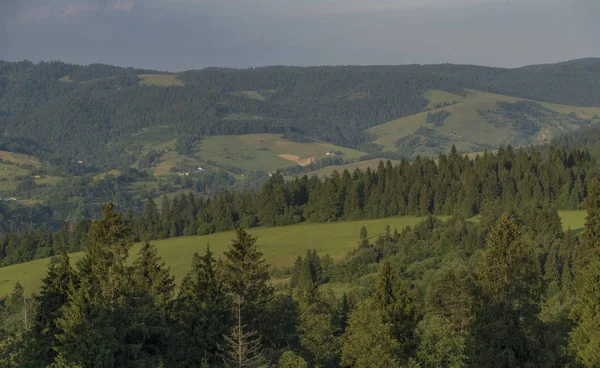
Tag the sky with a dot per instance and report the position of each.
(179, 35)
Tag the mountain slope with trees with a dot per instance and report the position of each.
(61, 112)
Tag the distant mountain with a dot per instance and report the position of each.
(64, 113)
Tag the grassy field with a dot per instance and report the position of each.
(7, 176)
(280, 245)
(251, 152)
(19, 158)
(163, 80)
(467, 127)
(247, 153)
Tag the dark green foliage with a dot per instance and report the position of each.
(202, 316)
(42, 340)
(246, 276)
(454, 293)
(453, 183)
(91, 117)
(508, 279)
(437, 118)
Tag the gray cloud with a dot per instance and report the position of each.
(183, 34)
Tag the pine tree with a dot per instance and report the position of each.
(144, 309)
(53, 296)
(104, 263)
(151, 220)
(202, 315)
(91, 332)
(152, 277)
(508, 278)
(247, 274)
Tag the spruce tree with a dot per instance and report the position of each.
(42, 340)
(247, 274)
(202, 315)
(507, 330)
(91, 332)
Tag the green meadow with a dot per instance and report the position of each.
(467, 127)
(280, 245)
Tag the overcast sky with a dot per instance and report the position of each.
(191, 34)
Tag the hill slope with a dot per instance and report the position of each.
(57, 110)
(480, 120)
(334, 239)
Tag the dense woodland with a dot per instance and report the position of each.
(511, 290)
(448, 185)
(62, 113)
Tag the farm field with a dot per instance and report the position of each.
(8, 173)
(280, 245)
(19, 158)
(250, 152)
(468, 129)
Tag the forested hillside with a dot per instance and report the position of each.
(451, 184)
(489, 278)
(62, 112)
(511, 289)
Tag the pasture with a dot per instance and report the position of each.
(19, 158)
(263, 151)
(8, 176)
(466, 127)
(280, 245)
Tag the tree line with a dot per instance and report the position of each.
(450, 184)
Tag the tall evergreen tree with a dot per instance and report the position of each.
(247, 275)
(508, 277)
(42, 340)
(202, 315)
